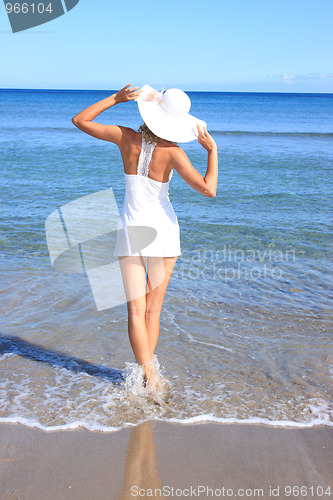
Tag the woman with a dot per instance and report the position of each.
(148, 232)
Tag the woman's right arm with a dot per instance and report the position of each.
(112, 133)
(205, 185)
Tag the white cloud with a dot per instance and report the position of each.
(289, 79)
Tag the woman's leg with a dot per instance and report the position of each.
(158, 277)
(144, 302)
(133, 270)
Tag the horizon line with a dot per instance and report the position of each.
(208, 91)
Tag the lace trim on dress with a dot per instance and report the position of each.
(145, 157)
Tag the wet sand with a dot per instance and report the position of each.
(188, 461)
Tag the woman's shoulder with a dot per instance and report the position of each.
(175, 150)
(130, 136)
(170, 146)
(127, 130)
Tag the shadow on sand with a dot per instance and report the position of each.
(21, 347)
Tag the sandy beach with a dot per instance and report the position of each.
(161, 460)
(244, 350)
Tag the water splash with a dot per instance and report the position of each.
(153, 391)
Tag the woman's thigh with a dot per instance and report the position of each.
(133, 271)
(158, 276)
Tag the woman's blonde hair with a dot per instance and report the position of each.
(149, 136)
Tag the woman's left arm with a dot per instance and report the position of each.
(112, 133)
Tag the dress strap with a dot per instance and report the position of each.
(145, 157)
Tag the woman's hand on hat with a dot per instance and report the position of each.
(127, 93)
(205, 139)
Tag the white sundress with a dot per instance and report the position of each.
(148, 225)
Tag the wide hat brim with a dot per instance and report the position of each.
(165, 125)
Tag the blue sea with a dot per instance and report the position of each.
(246, 324)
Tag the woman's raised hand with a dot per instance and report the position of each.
(205, 139)
(127, 93)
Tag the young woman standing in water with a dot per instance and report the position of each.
(148, 242)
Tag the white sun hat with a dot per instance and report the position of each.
(166, 114)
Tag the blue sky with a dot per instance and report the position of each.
(224, 45)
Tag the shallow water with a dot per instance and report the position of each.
(247, 318)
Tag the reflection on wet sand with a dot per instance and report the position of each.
(140, 466)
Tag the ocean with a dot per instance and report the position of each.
(246, 324)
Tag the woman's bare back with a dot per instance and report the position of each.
(162, 160)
